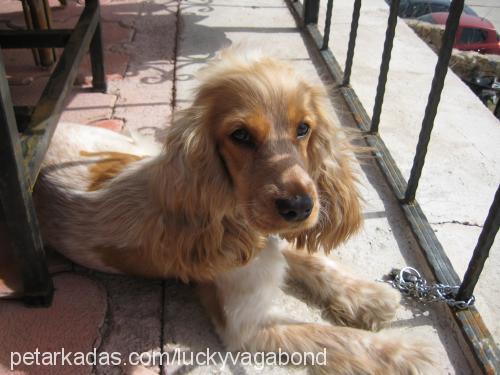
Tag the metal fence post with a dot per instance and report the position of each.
(311, 11)
(456, 9)
(384, 65)
(352, 42)
(328, 22)
(482, 250)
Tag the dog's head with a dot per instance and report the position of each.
(265, 140)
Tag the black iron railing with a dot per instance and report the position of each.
(469, 320)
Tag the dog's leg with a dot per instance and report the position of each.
(351, 300)
(240, 303)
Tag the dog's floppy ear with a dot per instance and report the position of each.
(330, 156)
(201, 180)
(198, 194)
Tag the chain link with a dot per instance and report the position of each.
(409, 282)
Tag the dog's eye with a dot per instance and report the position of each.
(242, 136)
(302, 130)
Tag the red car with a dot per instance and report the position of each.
(473, 34)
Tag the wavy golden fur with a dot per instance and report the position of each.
(236, 92)
(257, 156)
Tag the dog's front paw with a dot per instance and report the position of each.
(404, 353)
(366, 353)
(364, 304)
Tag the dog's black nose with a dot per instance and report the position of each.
(297, 208)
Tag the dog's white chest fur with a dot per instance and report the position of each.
(250, 289)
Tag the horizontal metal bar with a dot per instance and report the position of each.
(34, 38)
(470, 322)
(48, 109)
(441, 69)
(384, 65)
(482, 250)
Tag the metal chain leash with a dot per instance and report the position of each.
(409, 282)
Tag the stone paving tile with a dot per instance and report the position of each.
(20, 62)
(72, 8)
(193, 335)
(146, 114)
(196, 334)
(115, 67)
(10, 276)
(111, 124)
(86, 107)
(28, 94)
(11, 9)
(145, 94)
(72, 323)
(123, 11)
(116, 11)
(14, 21)
(65, 22)
(133, 322)
(114, 33)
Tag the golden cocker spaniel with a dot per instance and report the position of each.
(253, 179)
